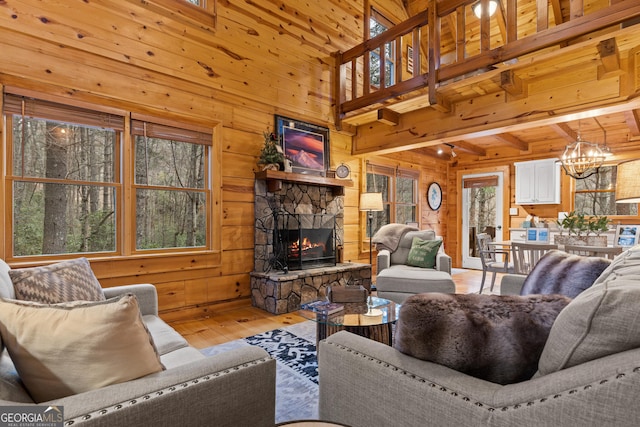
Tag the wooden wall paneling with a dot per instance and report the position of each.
(237, 262)
(236, 286)
(236, 213)
(171, 295)
(302, 27)
(246, 142)
(238, 189)
(238, 237)
(195, 292)
(239, 165)
(152, 265)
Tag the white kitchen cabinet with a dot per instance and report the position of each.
(538, 182)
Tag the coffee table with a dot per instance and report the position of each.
(358, 319)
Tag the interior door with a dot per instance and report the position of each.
(481, 213)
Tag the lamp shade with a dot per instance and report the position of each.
(477, 8)
(628, 182)
(371, 202)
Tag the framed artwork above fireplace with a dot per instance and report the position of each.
(305, 144)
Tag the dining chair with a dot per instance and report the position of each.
(527, 255)
(489, 260)
(609, 252)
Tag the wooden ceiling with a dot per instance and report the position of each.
(536, 119)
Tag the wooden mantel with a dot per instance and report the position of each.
(276, 178)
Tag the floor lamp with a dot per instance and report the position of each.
(371, 202)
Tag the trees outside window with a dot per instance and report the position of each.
(62, 178)
(377, 25)
(596, 195)
(171, 195)
(67, 195)
(399, 188)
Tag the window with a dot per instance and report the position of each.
(378, 24)
(62, 176)
(596, 195)
(399, 188)
(170, 178)
(65, 181)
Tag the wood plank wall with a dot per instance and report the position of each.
(160, 57)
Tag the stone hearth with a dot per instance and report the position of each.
(273, 288)
(279, 293)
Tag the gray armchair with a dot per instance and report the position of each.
(396, 280)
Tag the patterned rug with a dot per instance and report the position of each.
(294, 349)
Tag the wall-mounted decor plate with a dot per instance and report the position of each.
(434, 196)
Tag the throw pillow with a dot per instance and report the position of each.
(69, 348)
(602, 320)
(423, 253)
(65, 281)
(559, 272)
(493, 337)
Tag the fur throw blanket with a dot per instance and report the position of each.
(389, 236)
(493, 337)
(558, 272)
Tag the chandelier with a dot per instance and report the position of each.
(581, 159)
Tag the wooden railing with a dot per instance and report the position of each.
(498, 42)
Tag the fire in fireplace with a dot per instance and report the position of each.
(306, 240)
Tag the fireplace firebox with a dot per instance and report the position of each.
(305, 240)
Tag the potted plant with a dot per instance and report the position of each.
(271, 155)
(580, 229)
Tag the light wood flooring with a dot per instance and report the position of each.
(236, 323)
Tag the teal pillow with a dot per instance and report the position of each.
(423, 253)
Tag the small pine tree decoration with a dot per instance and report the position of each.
(271, 153)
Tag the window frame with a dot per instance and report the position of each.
(391, 203)
(124, 184)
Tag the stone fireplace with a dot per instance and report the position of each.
(299, 234)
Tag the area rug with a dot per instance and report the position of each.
(294, 348)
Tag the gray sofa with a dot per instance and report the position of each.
(235, 388)
(395, 280)
(588, 373)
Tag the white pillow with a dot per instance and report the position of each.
(69, 348)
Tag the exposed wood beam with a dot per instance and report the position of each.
(632, 117)
(512, 141)
(513, 84)
(565, 131)
(610, 57)
(469, 148)
(429, 127)
(388, 117)
(431, 152)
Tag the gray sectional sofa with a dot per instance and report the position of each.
(236, 388)
(588, 372)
